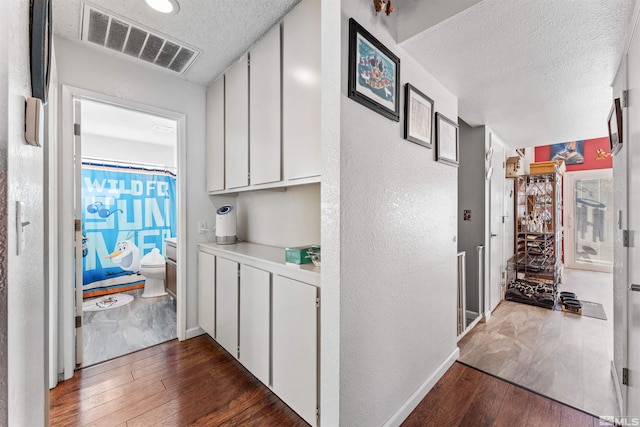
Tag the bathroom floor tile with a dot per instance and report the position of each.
(142, 323)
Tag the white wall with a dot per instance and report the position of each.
(23, 164)
(124, 150)
(280, 218)
(90, 69)
(398, 248)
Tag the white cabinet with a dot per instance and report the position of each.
(215, 136)
(294, 353)
(206, 292)
(301, 91)
(237, 125)
(227, 305)
(264, 110)
(255, 324)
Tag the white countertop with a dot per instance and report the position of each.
(269, 258)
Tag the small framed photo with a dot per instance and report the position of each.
(418, 116)
(447, 149)
(374, 73)
(615, 127)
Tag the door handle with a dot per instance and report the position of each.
(494, 235)
(635, 288)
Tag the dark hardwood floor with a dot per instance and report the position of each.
(465, 396)
(173, 384)
(197, 383)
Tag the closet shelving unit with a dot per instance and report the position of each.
(537, 264)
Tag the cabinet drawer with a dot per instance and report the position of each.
(172, 252)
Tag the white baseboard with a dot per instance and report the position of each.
(618, 387)
(407, 407)
(487, 316)
(194, 332)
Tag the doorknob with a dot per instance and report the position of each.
(635, 288)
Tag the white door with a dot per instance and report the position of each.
(77, 210)
(588, 220)
(255, 324)
(632, 146)
(207, 293)
(496, 226)
(295, 346)
(227, 305)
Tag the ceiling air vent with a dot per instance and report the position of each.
(116, 33)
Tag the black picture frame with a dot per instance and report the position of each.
(40, 48)
(614, 123)
(447, 141)
(418, 116)
(372, 69)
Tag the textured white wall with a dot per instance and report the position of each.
(27, 390)
(89, 69)
(4, 141)
(288, 218)
(107, 148)
(398, 246)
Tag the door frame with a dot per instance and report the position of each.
(568, 216)
(66, 323)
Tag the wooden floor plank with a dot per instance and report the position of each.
(198, 383)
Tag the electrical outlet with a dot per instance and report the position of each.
(202, 227)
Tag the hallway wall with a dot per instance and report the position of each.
(398, 218)
(93, 70)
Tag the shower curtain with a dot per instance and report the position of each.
(126, 212)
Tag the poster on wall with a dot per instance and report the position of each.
(571, 152)
(126, 212)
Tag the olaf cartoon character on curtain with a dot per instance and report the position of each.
(127, 256)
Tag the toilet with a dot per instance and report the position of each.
(152, 267)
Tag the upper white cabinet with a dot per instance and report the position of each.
(206, 292)
(236, 118)
(301, 91)
(264, 110)
(227, 305)
(215, 136)
(255, 322)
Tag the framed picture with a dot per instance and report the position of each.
(374, 73)
(418, 116)
(571, 152)
(447, 150)
(615, 127)
(40, 48)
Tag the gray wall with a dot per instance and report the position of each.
(471, 195)
(398, 220)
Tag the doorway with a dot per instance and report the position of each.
(588, 216)
(127, 186)
(104, 156)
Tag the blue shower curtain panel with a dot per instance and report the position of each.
(136, 206)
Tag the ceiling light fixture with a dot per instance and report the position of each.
(164, 6)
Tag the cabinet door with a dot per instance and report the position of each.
(227, 305)
(255, 325)
(301, 91)
(264, 110)
(206, 293)
(295, 352)
(237, 125)
(215, 136)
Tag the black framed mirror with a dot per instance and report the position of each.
(40, 48)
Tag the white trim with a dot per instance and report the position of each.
(487, 316)
(618, 387)
(471, 325)
(408, 406)
(66, 326)
(194, 332)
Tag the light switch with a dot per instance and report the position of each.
(20, 225)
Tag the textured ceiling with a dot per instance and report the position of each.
(536, 72)
(222, 29)
(121, 123)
